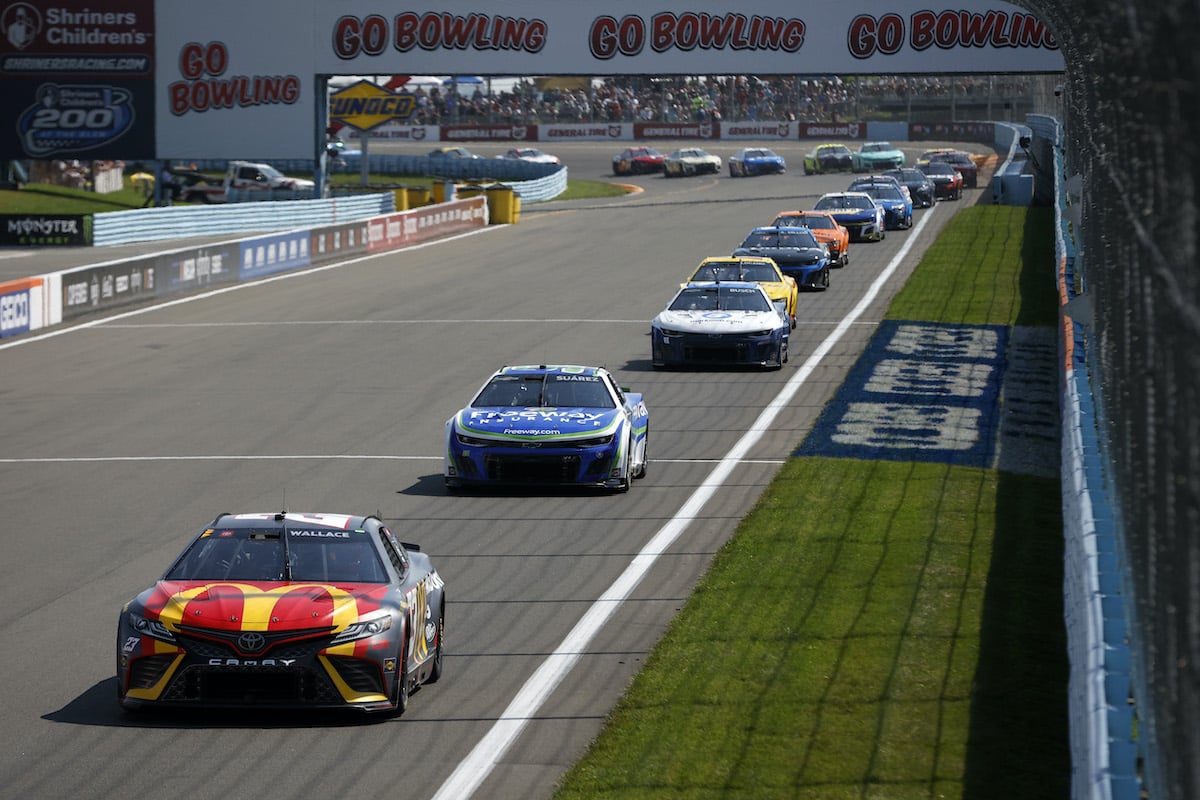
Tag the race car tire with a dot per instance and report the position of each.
(625, 483)
(641, 471)
(436, 674)
(400, 694)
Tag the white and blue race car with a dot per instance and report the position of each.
(722, 323)
(549, 425)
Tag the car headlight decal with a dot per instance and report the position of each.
(363, 629)
(153, 628)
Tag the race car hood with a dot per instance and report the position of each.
(503, 422)
(261, 605)
(719, 322)
(784, 255)
(852, 214)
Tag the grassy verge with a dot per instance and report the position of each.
(896, 635)
(37, 198)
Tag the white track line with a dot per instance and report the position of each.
(473, 770)
(26, 339)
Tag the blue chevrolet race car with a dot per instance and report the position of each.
(549, 425)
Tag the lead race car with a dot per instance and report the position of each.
(285, 610)
(550, 425)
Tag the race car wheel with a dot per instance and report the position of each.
(624, 485)
(641, 471)
(436, 674)
(825, 279)
(400, 694)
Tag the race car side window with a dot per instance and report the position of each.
(395, 552)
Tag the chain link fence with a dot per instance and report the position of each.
(1129, 105)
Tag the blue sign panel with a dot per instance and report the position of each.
(921, 391)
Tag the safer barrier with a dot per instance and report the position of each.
(178, 222)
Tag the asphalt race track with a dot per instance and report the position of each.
(328, 391)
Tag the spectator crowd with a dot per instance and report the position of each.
(696, 99)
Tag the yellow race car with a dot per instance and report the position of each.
(782, 289)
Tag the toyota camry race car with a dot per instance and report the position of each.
(285, 610)
(554, 425)
(720, 324)
(876, 156)
(637, 161)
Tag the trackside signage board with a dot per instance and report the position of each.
(234, 79)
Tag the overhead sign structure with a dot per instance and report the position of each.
(231, 79)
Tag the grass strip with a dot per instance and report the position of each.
(897, 634)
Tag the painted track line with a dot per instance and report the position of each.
(473, 770)
(71, 328)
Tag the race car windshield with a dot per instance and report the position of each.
(733, 271)
(553, 390)
(315, 554)
(720, 298)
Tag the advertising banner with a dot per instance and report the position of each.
(266, 255)
(788, 131)
(185, 270)
(235, 80)
(586, 132)
(105, 286)
(14, 310)
(78, 80)
(45, 230)
(428, 222)
(481, 133)
(817, 37)
(332, 242)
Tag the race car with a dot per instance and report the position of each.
(824, 227)
(876, 156)
(920, 188)
(638, 160)
(862, 181)
(285, 610)
(896, 204)
(551, 425)
(829, 157)
(963, 163)
(856, 212)
(530, 154)
(452, 152)
(947, 182)
(750, 161)
(794, 251)
(688, 161)
(731, 324)
(781, 288)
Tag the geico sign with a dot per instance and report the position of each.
(14, 311)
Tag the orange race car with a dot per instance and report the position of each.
(825, 227)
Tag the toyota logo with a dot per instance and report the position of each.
(251, 642)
